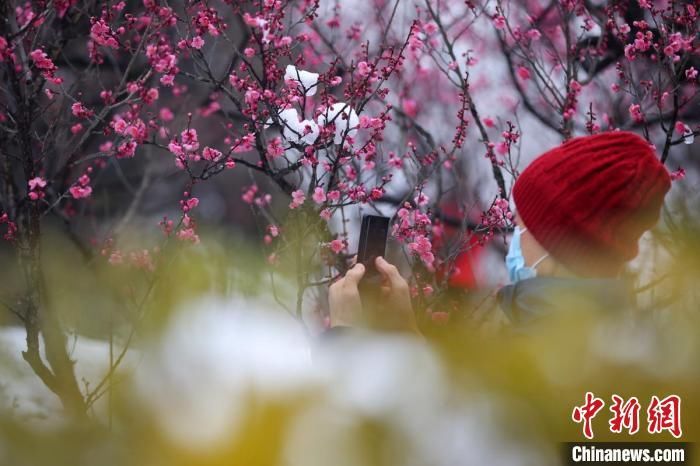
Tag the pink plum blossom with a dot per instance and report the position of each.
(319, 195)
(298, 199)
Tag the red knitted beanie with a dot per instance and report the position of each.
(588, 201)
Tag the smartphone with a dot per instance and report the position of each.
(373, 236)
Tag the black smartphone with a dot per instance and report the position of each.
(373, 236)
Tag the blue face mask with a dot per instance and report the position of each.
(515, 262)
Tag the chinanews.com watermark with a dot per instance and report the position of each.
(627, 453)
(662, 415)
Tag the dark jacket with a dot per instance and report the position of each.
(528, 300)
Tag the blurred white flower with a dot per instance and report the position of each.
(400, 384)
(197, 383)
(196, 380)
(306, 79)
(344, 117)
(367, 372)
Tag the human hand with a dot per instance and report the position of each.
(344, 298)
(397, 311)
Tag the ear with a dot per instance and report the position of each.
(532, 250)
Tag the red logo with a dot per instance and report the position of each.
(662, 415)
